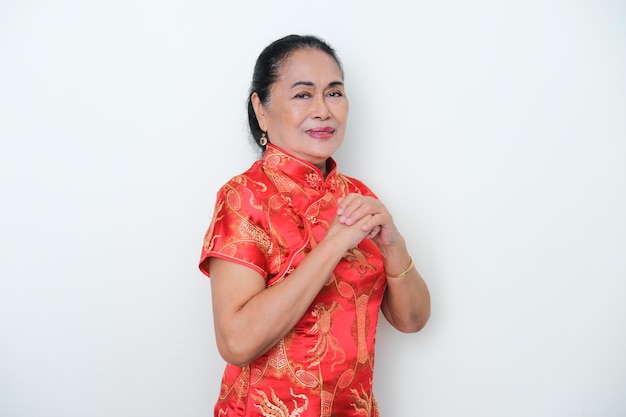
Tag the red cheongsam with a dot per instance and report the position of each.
(268, 219)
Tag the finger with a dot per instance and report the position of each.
(344, 202)
(362, 224)
(357, 208)
(374, 220)
(375, 231)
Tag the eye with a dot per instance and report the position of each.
(336, 93)
(302, 95)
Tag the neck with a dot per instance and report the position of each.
(323, 167)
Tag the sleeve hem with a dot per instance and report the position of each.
(204, 263)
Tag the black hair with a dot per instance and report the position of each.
(267, 70)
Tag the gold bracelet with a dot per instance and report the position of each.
(404, 273)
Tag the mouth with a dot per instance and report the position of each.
(321, 133)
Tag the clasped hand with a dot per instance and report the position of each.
(365, 217)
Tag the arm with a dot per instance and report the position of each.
(406, 303)
(250, 318)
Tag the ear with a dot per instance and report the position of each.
(259, 111)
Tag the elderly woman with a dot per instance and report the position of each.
(302, 258)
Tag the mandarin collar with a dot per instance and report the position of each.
(303, 172)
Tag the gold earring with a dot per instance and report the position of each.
(263, 140)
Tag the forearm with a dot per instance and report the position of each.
(406, 304)
(269, 315)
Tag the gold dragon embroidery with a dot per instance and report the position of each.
(325, 341)
(359, 261)
(276, 407)
(363, 403)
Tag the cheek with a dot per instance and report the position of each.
(341, 112)
(294, 115)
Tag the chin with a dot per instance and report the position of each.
(326, 147)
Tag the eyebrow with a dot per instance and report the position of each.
(310, 84)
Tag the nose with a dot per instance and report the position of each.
(320, 108)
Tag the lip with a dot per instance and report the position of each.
(321, 132)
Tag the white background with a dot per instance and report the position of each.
(494, 131)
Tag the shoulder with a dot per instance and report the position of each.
(253, 182)
(246, 194)
(354, 185)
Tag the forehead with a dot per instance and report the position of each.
(310, 65)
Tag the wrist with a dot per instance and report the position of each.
(397, 260)
(396, 251)
(408, 269)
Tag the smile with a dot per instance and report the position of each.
(321, 133)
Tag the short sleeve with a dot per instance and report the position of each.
(237, 231)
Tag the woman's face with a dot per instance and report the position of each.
(308, 108)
